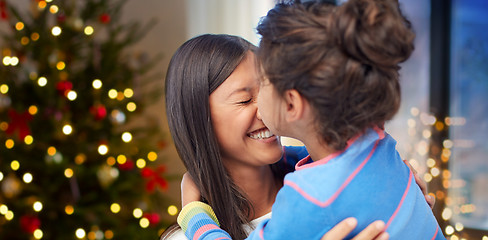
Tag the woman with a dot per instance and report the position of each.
(211, 90)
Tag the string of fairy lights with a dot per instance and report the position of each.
(431, 169)
(52, 154)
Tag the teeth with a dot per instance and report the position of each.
(261, 134)
(268, 134)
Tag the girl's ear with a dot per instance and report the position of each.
(295, 105)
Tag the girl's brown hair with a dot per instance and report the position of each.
(343, 59)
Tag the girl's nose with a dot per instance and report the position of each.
(258, 115)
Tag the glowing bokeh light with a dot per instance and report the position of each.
(137, 213)
(37, 206)
(140, 163)
(28, 139)
(68, 173)
(19, 26)
(67, 129)
(89, 30)
(42, 81)
(97, 83)
(72, 95)
(38, 234)
(128, 93)
(172, 210)
(69, 209)
(152, 156)
(126, 137)
(80, 233)
(9, 143)
(102, 149)
(27, 178)
(115, 207)
(144, 222)
(56, 31)
(131, 106)
(15, 165)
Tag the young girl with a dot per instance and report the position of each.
(211, 88)
(331, 81)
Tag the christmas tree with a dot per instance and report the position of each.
(77, 160)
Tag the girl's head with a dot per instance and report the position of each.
(342, 59)
(211, 88)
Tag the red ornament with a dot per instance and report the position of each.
(153, 218)
(154, 178)
(98, 111)
(3, 10)
(19, 122)
(104, 18)
(128, 165)
(61, 18)
(29, 223)
(64, 87)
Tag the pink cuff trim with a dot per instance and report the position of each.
(203, 229)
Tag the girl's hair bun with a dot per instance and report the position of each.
(374, 32)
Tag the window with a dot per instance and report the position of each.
(410, 126)
(458, 100)
(234, 17)
(468, 110)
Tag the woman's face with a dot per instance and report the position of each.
(242, 136)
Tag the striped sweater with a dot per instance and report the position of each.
(368, 180)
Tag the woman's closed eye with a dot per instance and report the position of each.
(245, 101)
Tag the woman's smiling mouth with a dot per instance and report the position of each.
(262, 133)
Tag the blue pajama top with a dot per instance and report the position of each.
(368, 180)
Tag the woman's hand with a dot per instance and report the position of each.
(423, 186)
(189, 190)
(375, 231)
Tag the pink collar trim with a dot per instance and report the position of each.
(302, 164)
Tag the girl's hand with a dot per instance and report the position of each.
(189, 190)
(375, 231)
(423, 186)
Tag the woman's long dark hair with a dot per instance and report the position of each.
(197, 68)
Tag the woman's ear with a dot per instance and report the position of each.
(295, 105)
